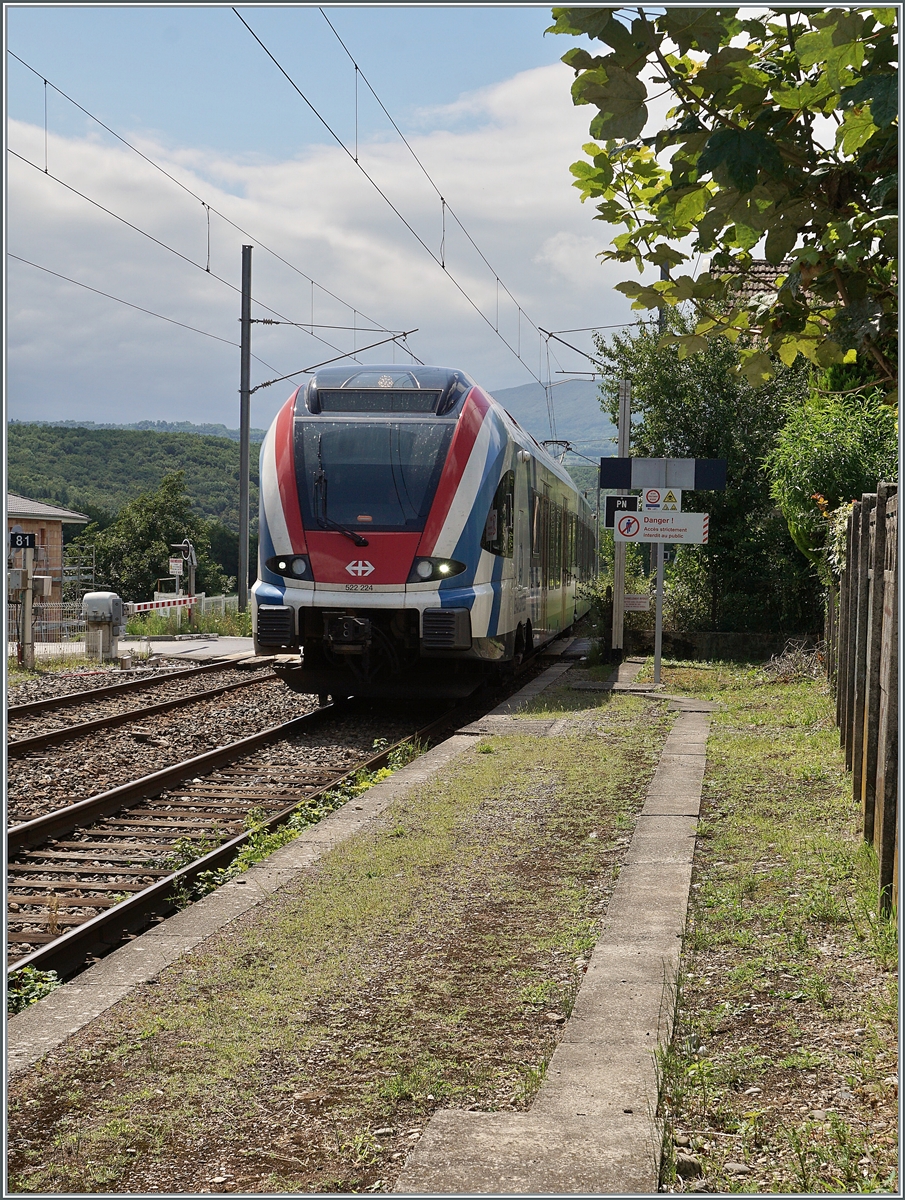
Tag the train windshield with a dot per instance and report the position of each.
(369, 475)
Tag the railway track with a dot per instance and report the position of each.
(86, 695)
(18, 747)
(83, 878)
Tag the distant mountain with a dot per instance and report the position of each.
(256, 435)
(576, 409)
(577, 416)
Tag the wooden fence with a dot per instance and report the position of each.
(862, 659)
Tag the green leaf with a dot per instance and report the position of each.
(692, 205)
(857, 128)
(699, 28)
(756, 367)
(781, 241)
(620, 97)
(804, 95)
(740, 154)
(881, 91)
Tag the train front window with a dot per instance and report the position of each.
(373, 476)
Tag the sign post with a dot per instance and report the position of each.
(661, 520)
(625, 425)
(658, 615)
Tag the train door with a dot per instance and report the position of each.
(540, 563)
(522, 547)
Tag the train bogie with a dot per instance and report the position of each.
(413, 538)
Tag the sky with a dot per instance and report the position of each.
(483, 101)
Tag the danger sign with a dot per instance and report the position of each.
(663, 527)
(662, 499)
(627, 527)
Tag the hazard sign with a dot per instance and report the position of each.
(662, 499)
(663, 527)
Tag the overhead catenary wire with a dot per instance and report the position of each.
(128, 304)
(444, 203)
(386, 198)
(326, 362)
(171, 249)
(179, 183)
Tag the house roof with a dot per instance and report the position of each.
(759, 277)
(37, 510)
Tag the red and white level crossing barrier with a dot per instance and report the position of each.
(176, 602)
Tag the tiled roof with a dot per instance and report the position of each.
(19, 506)
(760, 277)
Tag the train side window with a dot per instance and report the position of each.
(498, 528)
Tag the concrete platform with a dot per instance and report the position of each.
(593, 1128)
(46, 1024)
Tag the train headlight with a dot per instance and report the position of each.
(292, 566)
(430, 570)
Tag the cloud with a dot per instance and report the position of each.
(500, 157)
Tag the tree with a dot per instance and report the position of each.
(749, 576)
(783, 134)
(132, 552)
(829, 452)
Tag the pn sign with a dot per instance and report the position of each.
(616, 505)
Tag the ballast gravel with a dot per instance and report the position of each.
(60, 775)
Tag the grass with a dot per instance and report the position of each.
(413, 969)
(784, 1050)
(229, 623)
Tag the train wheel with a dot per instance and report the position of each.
(323, 699)
(529, 639)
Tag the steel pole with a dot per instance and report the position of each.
(625, 419)
(28, 632)
(658, 625)
(244, 426)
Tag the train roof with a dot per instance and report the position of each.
(390, 387)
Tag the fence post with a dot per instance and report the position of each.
(865, 787)
(841, 639)
(859, 673)
(851, 617)
(885, 823)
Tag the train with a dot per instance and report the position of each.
(414, 540)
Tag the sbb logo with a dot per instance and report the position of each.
(360, 567)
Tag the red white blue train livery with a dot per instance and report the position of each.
(412, 536)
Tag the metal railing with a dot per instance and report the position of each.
(58, 629)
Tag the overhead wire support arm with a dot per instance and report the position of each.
(348, 354)
(589, 357)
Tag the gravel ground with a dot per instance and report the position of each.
(45, 722)
(60, 775)
(65, 683)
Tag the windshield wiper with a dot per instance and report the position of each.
(320, 505)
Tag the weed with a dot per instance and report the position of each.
(28, 985)
(802, 1155)
(362, 1149)
(531, 1079)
